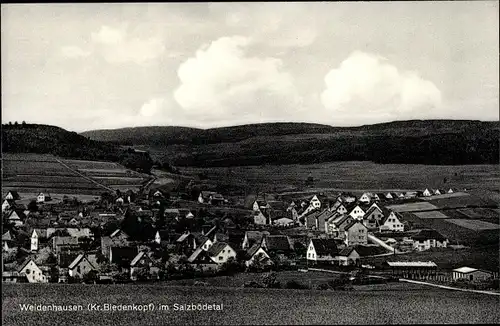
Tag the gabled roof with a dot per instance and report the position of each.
(200, 256)
(370, 211)
(387, 213)
(24, 263)
(123, 255)
(77, 261)
(352, 223)
(137, 258)
(216, 248)
(7, 236)
(65, 259)
(261, 203)
(276, 242)
(325, 247)
(369, 250)
(253, 249)
(117, 232)
(15, 194)
(429, 234)
(346, 251)
(184, 236)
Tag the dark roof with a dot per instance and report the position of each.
(276, 242)
(364, 251)
(15, 194)
(123, 255)
(216, 248)
(346, 251)
(253, 249)
(24, 263)
(352, 223)
(65, 259)
(325, 247)
(429, 234)
(200, 256)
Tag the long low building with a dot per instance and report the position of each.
(413, 269)
(471, 274)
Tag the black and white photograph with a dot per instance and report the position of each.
(250, 163)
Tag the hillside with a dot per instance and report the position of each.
(45, 139)
(417, 141)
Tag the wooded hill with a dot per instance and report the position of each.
(411, 142)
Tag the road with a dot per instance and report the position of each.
(83, 175)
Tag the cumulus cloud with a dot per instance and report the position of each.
(366, 84)
(72, 51)
(151, 107)
(221, 81)
(117, 46)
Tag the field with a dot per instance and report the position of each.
(474, 224)
(33, 173)
(433, 214)
(412, 207)
(358, 176)
(246, 306)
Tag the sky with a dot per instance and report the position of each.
(104, 66)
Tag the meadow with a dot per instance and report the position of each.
(244, 306)
(355, 175)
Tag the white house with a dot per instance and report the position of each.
(427, 239)
(450, 191)
(437, 192)
(15, 217)
(426, 193)
(322, 250)
(221, 252)
(34, 241)
(40, 198)
(260, 204)
(389, 196)
(315, 202)
(391, 222)
(141, 262)
(256, 252)
(11, 195)
(5, 205)
(33, 273)
(471, 274)
(357, 213)
(365, 198)
(341, 209)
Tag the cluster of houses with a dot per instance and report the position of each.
(132, 236)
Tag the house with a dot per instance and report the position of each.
(260, 204)
(80, 266)
(252, 237)
(355, 233)
(12, 195)
(186, 243)
(428, 238)
(6, 205)
(203, 241)
(357, 212)
(6, 241)
(391, 222)
(33, 273)
(471, 274)
(81, 232)
(315, 202)
(40, 198)
(438, 192)
(366, 198)
(200, 259)
(450, 191)
(348, 256)
(210, 197)
(161, 235)
(426, 193)
(116, 239)
(412, 269)
(142, 262)
(380, 196)
(341, 209)
(284, 222)
(277, 243)
(261, 217)
(257, 254)
(373, 217)
(16, 217)
(322, 250)
(336, 224)
(221, 252)
(64, 243)
(389, 196)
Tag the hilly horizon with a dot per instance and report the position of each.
(434, 142)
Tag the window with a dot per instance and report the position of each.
(78, 269)
(223, 251)
(220, 257)
(28, 271)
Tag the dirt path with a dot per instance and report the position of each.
(448, 287)
(82, 175)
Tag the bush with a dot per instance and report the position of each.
(269, 281)
(252, 284)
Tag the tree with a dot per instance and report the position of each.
(54, 274)
(32, 206)
(269, 281)
(91, 277)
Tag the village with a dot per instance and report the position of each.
(157, 236)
